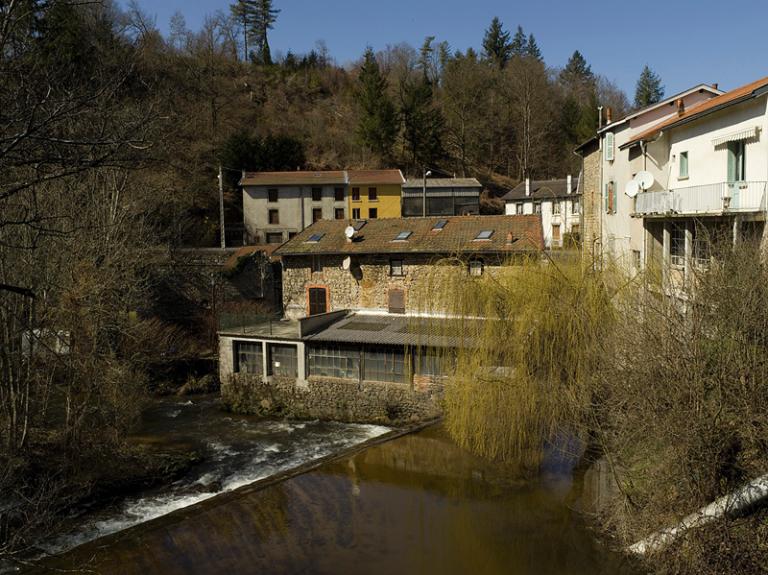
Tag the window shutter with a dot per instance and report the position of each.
(608, 144)
(731, 162)
(614, 198)
(606, 198)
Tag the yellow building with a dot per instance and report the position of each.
(373, 194)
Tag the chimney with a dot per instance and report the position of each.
(680, 106)
(714, 86)
(608, 116)
(510, 238)
(568, 183)
(527, 186)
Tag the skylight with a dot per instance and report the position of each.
(402, 236)
(484, 235)
(359, 225)
(440, 225)
(314, 238)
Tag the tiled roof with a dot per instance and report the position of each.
(543, 189)
(442, 183)
(727, 99)
(375, 177)
(297, 178)
(510, 234)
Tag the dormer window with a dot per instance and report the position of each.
(314, 238)
(484, 235)
(402, 236)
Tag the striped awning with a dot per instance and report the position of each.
(746, 134)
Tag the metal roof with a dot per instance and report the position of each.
(442, 183)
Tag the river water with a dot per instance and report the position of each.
(414, 504)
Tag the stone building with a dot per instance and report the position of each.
(379, 268)
(278, 205)
(557, 201)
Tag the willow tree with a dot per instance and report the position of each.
(533, 338)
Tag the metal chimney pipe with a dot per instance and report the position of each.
(527, 186)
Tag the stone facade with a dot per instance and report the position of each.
(333, 399)
(591, 201)
(366, 285)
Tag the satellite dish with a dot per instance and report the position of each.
(346, 263)
(349, 231)
(632, 188)
(644, 179)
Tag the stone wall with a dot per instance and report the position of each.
(333, 399)
(591, 201)
(365, 286)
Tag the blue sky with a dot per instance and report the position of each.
(685, 41)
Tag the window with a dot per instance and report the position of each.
(317, 194)
(317, 264)
(610, 198)
(434, 362)
(355, 213)
(373, 213)
(556, 233)
(317, 214)
(355, 194)
(373, 194)
(338, 213)
(636, 259)
(329, 360)
(519, 208)
(272, 195)
(608, 146)
(476, 268)
(291, 235)
(396, 301)
(274, 216)
(484, 235)
(536, 207)
(702, 246)
(338, 194)
(396, 268)
(402, 236)
(575, 205)
(384, 364)
(737, 161)
(677, 244)
(556, 207)
(283, 360)
(275, 238)
(248, 357)
(314, 238)
(439, 225)
(318, 300)
(683, 166)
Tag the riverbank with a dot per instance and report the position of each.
(415, 503)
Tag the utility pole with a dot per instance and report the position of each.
(221, 209)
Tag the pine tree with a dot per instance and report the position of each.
(246, 14)
(377, 127)
(423, 123)
(265, 20)
(649, 89)
(426, 58)
(519, 45)
(576, 70)
(496, 46)
(532, 49)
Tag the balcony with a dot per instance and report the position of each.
(710, 199)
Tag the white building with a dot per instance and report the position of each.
(557, 201)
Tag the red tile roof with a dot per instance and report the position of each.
(729, 98)
(510, 234)
(375, 177)
(297, 178)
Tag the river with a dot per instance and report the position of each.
(414, 504)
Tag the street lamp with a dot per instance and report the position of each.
(424, 193)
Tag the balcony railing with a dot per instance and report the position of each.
(720, 198)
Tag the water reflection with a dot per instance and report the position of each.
(417, 504)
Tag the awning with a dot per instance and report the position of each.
(747, 134)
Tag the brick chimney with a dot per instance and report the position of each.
(608, 116)
(680, 106)
(527, 186)
(714, 86)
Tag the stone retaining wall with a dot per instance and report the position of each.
(333, 399)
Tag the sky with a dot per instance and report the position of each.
(687, 42)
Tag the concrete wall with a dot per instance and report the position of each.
(294, 205)
(333, 399)
(367, 288)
